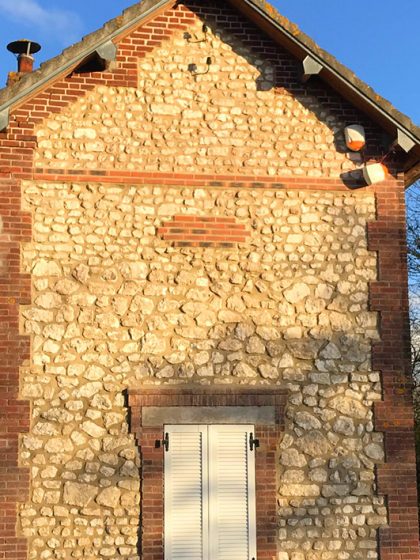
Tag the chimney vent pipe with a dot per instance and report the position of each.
(24, 49)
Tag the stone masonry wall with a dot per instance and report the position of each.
(248, 115)
(114, 305)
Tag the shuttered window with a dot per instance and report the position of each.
(209, 493)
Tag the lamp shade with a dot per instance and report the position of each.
(375, 173)
(355, 137)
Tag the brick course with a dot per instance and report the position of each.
(201, 231)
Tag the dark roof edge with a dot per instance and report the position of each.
(52, 68)
(344, 74)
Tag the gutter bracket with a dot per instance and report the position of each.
(107, 52)
(404, 142)
(4, 119)
(310, 68)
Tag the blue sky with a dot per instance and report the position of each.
(376, 38)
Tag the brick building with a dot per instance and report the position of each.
(204, 340)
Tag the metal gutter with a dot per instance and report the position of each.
(81, 55)
(326, 65)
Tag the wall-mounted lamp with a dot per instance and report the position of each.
(375, 173)
(355, 137)
(193, 68)
(205, 30)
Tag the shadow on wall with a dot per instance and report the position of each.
(327, 455)
(281, 72)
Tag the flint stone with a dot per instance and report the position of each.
(89, 390)
(109, 497)
(340, 322)
(292, 477)
(226, 316)
(129, 499)
(81, 495)
(230, 345)
(112, 443)
(314, 443)
(46, 268)
(293, 333)
(166, 109)
(32, 390)
(244, 370)
(166, 372)
(39, 315)
(348, 407)
(59, 445)
(324, 291)
(93, 429)
(206, 319)
(66, 287)
(31, 443)
(307, 421)
(344, 425)
(153, 344)
(321, 378)
(297, 293)
(330, 490)
(255, 346)
(276, 348)
(48, 300)
(299, 490)
(375, 451)
(129, 469)
(268, 333)
(81, 273)
(292, 458)
(304, 349)
(330, 352)
(108, 320)
(244, 330)
(286, 361)
(268, 371)
(142, 304)
(93, 373)
(318, 475)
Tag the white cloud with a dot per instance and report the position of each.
(63, 25)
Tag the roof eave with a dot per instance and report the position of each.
(412, 175)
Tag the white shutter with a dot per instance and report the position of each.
(209, 493)
(232, 493)
(186, 499)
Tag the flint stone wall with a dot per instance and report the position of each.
(249, 114)
(115, 306)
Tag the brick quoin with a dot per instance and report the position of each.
(15, 227)
(391, 356)
(393, 416)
